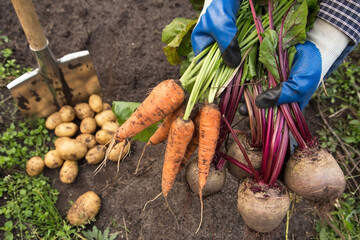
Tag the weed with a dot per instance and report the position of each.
(9, 69)
(20, 143)
(343, 115)
(30, 210)
(96, 234)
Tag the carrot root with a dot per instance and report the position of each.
(162, 100)
(156, 197)
(180, 134)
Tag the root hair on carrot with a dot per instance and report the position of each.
(168, 206)
(111, 143)
(201, 211)
(156, 197)
(142, 154)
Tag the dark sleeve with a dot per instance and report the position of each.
(344, 15)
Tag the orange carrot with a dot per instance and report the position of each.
(210, 117)
(161, 134)
(180, 134)
(162, 100)
(193, 145)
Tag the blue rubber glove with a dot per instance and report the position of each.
(217, 23)
(313, 60)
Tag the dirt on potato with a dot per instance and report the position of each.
(124, 41)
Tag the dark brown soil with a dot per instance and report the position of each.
(124, 40)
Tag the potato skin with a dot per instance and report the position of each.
(53, 160)
(96, 154)
(60, 139)
(83, 110)
(69, 171)
(66, 129)
(88, 139)
(71, 149)
(103, 137)
(53, 120)
(110, 126)
(34, 166)
(86, 207)
(88, 125)
(106, 106)
(104, 116)
(96, 103)
(67, 113)
(119, 148)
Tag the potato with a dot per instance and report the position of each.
(66, 129)
(88, 125)
(67, 113)
(86, 207)
(110, 126)
(60, 139)
(103, 137)
(96, 154)
(34, 166)
(53, 160)
(104, 116)
(96, 103)
(53, 120)
(71, 149)
(69, 171)
(119, 148)
(83, 110)
(106, 106)
(88, 139)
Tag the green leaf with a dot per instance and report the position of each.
(294, 30)
(123, 111)
(252, 60)
(197, 5)
(177, 37)
(268, 53)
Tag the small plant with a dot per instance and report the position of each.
(30, 210)
(96, 234)
(9, 69)
(345, 218)
(28, 202)
(21, 142)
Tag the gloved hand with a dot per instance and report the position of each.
(217, 22)
(313, 59)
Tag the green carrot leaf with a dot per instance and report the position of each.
(177, 37)
(123, 111)
(197, 5)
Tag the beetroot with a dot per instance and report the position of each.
(261, 206)
(315, 175)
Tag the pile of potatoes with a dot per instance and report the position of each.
(83, 131)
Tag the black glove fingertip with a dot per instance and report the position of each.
(232, 54)
(269, 98)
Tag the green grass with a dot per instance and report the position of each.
(341, 137)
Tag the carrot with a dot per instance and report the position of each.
(180, 134)
(210, 118)
(193, 145)
(162, 100)
(161, 134)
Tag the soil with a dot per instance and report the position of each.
(124, 40)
